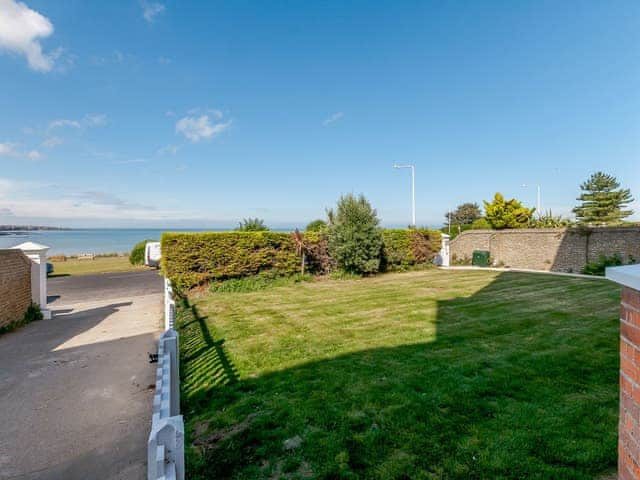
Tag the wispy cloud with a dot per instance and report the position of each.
(197, 128)
(51, 142)
(150, 10)
(165, 60)
(334, 117)
(21, 30)
(168, 150)
(89, 120)
(130, 161)
(13, 150)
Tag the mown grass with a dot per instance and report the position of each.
(73, 266)
(421, 375)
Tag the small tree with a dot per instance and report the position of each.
(316, 226)
(603, 201)
(252, 225)
(464, 214)
(355, 241)
(501, 213)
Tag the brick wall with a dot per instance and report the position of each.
(556, 249)
(629, 425)
(15, 286)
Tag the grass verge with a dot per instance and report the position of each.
(421, 375)
(73, 266)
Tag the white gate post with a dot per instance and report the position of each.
(444, 250)
(38, 255)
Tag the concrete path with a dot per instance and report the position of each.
(76, 391)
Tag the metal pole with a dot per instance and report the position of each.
(539, 204)
(413, 194)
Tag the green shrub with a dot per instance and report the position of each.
(252, 225)
(481, 224)
(136, 257)
(405, 248)
(256, 283)
(355, 241)
(316, 226)
(598, 267)
(191, 259)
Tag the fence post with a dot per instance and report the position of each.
(38, 255)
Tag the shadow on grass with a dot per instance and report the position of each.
(520, 382)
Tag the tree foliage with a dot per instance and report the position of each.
(602, 200)
(316, 226)
(464, 214)
(502, 213)
(549, 220)
(252, 225)
(355, 241)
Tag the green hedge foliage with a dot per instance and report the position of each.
(192, 259)
(405, 248)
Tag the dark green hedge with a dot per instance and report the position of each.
(405, 248)
(191, 259)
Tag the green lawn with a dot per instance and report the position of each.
(421, 375)
(73, 266)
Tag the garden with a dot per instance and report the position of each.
(342, 353)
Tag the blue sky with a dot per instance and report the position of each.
(196, 114)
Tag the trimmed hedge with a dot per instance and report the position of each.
(191, 259)
(405, 248)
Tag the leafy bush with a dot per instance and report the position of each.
(316, 226)
(481, 224)
(502, 213)
(190, 259)
(354, 236)
(252, 225)
(549, 220)
(256, 283)
(316, 247)
(136, 257)
(598, 267)
(405, 248)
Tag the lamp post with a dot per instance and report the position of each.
(538, 202)
(413, 190)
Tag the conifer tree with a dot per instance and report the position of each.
(602, 200)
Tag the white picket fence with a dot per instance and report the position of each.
(165, 447)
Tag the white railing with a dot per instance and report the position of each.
(165, 447)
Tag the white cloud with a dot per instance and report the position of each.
(8, 150)
(198, 128)
(13, 150)
(89, 120)
(63, 122)
(51, 142)
(151, 9)
(333, 118)
(21, 30)
(165, 61)
(168, 150)
(34, 155)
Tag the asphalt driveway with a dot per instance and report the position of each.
(76, 390)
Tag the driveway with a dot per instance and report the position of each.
(76, 391)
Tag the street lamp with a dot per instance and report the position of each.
(413, 190)
(538, 203)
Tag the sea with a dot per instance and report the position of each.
(89, 240)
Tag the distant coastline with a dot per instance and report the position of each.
(5, 229)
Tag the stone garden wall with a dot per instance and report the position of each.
(555, 249)
(15, 286)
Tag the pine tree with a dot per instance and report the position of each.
(603, 201)
(464, 214)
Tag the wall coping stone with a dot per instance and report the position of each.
(628, 275)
